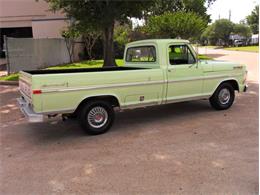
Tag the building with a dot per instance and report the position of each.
(29, 19)
(254, 39)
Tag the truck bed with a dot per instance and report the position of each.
(53, 90)
(61, 71)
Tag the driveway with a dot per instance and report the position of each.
(184, 148)
(248, 58)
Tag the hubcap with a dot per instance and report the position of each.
(224, 96)
(97, 117)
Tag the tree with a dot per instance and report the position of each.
(89, 37)
(208, 36)
(197, 6)
(70, 35)
(122, 31)
(162, 6)
(253, 20)
(242, 30)
(138, 33)
(101, 15)
(121, 37)
(222, 29)
(176, 25)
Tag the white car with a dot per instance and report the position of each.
(238, 43)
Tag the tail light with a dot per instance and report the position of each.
(36, 91)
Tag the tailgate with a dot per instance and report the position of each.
(25, 85)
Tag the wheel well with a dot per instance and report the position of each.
(108, 98)
(233, 83)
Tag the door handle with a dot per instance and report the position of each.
(169, 70)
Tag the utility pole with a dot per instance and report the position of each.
(229, 17)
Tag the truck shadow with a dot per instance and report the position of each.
(127, 121)
(193, 111)
(163, 113)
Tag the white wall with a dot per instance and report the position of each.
(48, 28)
(30, 54)
(21, 13)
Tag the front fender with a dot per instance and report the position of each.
(227, 80)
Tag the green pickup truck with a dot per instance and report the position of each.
(155, 72)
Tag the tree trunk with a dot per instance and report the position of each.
(69, 48)
(108, 45)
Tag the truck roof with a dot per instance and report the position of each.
(158, 41)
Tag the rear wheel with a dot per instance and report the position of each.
(223, 97)
(96, 117)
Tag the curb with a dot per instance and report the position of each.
(9, 83)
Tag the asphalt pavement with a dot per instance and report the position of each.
(183, 148)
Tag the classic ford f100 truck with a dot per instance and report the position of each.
(155, 72)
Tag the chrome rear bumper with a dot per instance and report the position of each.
(28, 112)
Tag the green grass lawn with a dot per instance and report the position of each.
(11, 77)
(204, 57)
(246, 48)
(83, 64)
(209, 46)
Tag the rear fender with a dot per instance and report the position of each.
(109, 97)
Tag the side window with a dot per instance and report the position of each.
(180, 54)
(141, 54)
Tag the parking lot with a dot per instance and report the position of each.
(184, 148)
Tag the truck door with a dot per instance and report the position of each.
(185, 75)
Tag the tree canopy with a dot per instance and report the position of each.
(242, 30)
(208, 36)
(197, 6)
(187, 18)
(253, 20)
(221, 30)
(101, 15)
(176, 25)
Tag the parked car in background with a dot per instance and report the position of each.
(239, 43)
(156, 72)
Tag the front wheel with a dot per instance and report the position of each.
(96, 117)
(223, 97)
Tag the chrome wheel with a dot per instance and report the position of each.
(224, 96)
(97, 117)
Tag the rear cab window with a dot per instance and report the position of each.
(141, 54)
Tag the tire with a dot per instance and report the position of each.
(223, 97)
(96, 117)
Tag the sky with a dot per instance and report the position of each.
(220, 8)
(239, 9)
